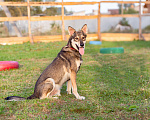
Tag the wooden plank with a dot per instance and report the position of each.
(48, 18)
(59, 38)
(80, 3)
(99, 22)
(12, 18)
(13, 3)
(24, 39)
(119, 36)
(42, 18)
(13, 40)
(50, 38)
(80, 17)
(29, 22)
(125, 2)
(90, 37)
(59, 3)
(120, 15)
(146, 36)
(62, 19)
(45, 3)
(45, 18)
(140, 30)
(145, 15)
(65, 3)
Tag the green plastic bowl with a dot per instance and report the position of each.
(112, 50)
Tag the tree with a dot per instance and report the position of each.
(127, 9)
(37, 9)
(130, 11)
(51, 11)
(22, 10)
(15, 10)
(124, 22)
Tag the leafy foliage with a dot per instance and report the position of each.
(22, 11)
(130, 11)
(51, 11)
(146, 29)
(124, 22)
(127, 9)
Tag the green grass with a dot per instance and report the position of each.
(116, 86)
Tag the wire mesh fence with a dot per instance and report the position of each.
(47, 19)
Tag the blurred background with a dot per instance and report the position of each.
(116, 24)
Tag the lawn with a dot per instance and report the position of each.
(116, 86)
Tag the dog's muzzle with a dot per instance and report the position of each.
(82, 44)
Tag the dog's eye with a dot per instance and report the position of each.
(76, 38)
(83, 37)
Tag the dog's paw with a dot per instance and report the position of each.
(55, 97)
(58, 94)
(81, 98)
(69, 92)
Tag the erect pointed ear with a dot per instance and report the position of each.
(71, 30)
(84, 28)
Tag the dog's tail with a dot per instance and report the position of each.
(17, 98)
(31, 97)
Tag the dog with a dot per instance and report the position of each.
(63, 69)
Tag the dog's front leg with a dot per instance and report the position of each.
(74, 85)
(69, 85)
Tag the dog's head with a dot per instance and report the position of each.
(77, 38)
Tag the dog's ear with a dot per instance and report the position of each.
(84, 28)
(71, 30)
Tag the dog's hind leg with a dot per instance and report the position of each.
(47, 88)
(56, 91)
(69, 85)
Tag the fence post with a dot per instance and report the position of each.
(29, 22)
(122, 8)
(140, 20)
(99, 21)
(63, 25)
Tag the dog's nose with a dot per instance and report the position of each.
(82, 44)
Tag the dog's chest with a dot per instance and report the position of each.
(78, 63)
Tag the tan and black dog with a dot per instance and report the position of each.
(63, 69)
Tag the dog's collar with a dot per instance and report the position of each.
(71, 48)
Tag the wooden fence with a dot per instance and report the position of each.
(62, 17)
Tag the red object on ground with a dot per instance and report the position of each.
(6, 65)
